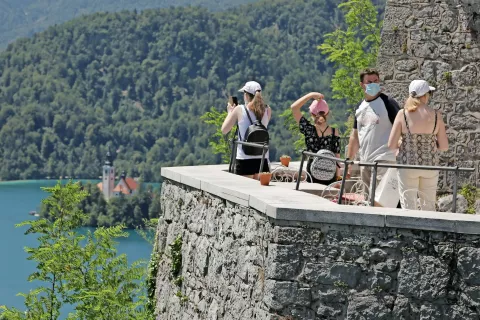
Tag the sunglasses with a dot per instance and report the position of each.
(320, 114)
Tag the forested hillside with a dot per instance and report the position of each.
(139, 82)
(23, 18)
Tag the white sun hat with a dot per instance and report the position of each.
(251, 87)
(419, 88)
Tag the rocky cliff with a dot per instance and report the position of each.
(238, 263)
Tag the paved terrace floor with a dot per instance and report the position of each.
(281, 201)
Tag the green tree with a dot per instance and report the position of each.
(148, 231)
(293, 127)
(353, 48)
(219, 142)
(80, 270)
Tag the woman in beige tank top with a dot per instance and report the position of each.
(423, 135)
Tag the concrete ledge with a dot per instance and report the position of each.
(409, 219)
(281, 201)
(329, 213)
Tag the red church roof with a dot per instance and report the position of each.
(120, 188)
(131, 183)
(131, 186)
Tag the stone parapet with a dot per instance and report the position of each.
(252, 252)
(280, 201)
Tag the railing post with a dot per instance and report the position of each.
(455, 189)
(234, 155)
(344, 179)
(373, 184)
(300, 171)
(263, 159)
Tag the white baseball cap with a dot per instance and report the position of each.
(419, 88)
(251, 87)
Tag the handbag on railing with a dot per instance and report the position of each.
(323, 169)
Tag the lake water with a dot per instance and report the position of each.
(17, 199)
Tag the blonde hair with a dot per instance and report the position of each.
(412, 103)
(258, 105)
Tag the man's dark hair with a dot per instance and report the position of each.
(368, 71)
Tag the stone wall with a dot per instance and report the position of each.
(437, 40)
(238, 263)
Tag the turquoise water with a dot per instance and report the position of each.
(17, 199)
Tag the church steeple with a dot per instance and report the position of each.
(108, 181)
(125, 186)
(108, 158)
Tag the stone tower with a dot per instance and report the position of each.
(108, 179)
(438, 40)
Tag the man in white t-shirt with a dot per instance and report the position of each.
(374, 119)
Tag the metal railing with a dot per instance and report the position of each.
(376, 165)
(233, 157)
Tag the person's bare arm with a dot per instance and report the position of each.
(396, 132)
(297, 105)
(442, 139)
(231, 119)
(269, 113)
(353, 146)
(339, 171)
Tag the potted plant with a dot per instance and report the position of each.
(285, 160)
(265, 178)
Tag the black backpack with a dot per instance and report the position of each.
(256, 133)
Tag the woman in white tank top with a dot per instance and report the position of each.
(246, 165)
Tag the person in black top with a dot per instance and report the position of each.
(318, 135)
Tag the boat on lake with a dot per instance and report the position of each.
(34, 213)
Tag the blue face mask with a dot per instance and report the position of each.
(372, 89)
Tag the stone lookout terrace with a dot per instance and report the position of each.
(232, 249)
(246, 251)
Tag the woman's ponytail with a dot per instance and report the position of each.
(258, 105)
(412, 104)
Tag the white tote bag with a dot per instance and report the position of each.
(387, 193)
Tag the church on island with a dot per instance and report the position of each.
(126, 186)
